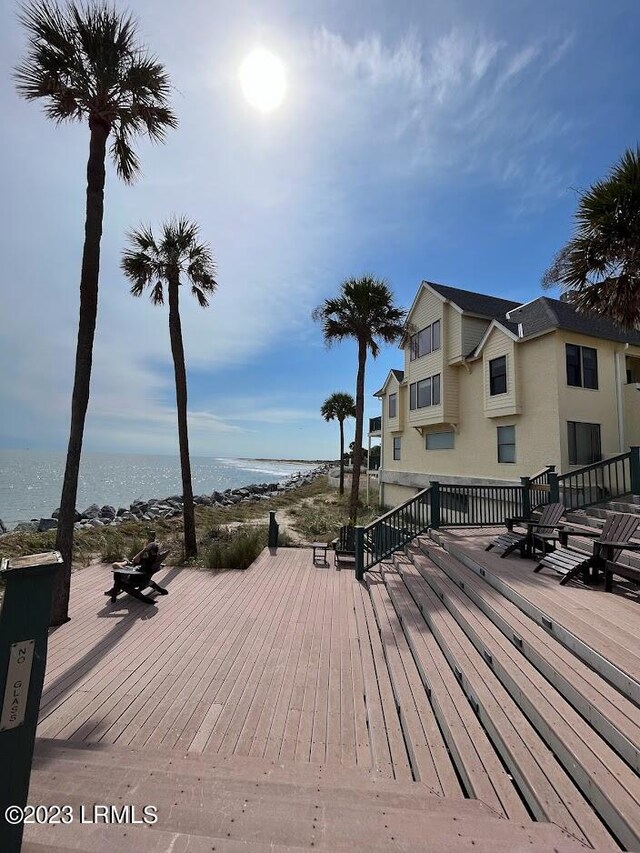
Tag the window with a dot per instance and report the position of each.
(393, 400)
(425, 341)
(396, 449)
(582, 366)
(506, 444)
(425, 393)
(498, 376)
(435, 390)
(584, 443)
(440, 440)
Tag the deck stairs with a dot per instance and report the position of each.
(252, 805)
(526, 718)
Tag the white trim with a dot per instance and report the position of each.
(381, 391)
(494, 324)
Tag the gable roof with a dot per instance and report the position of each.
(544, 314)
(492, 307)
(398, 375)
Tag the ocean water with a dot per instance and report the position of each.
(31, 480)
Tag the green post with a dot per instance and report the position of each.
(634, 463)
(273, 530)
(554, 488)
(435, 504)
(526, 496)
(359, 548)
(24, 632)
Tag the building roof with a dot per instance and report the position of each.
(397, 374)
(493, 307)
(544, 314)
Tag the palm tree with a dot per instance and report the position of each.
(599, 268)
(86, 64)
(152, 264)
(339, 406)
(364, 310)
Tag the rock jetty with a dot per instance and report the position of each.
(157, 508)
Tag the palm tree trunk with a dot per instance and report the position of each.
(84, 357)
(341, 457)
(177, 350)
(357, 446)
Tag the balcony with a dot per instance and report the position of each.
(375, 426)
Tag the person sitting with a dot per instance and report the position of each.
(135, 575)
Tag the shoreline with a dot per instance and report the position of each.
(171, 506)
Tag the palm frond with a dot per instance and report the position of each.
(598, 269)
(177, 251)
(85, 62)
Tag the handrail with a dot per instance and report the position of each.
(471, 505)
(395, 509)
(592, 467)
(380, 538)
(604, 480)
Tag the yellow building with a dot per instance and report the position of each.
(493, 390)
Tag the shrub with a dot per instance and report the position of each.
(237, 548)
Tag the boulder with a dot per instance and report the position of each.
(3, 527)
(26, 527)
(107, 511)
(47, 524)
(90, 512)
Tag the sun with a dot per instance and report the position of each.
(263, 80)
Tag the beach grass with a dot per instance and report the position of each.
(311, 512)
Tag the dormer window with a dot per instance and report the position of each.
(425, 341)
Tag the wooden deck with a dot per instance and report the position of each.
(265, 663)
(289, 707)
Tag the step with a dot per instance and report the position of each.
(333, 830)
(190, 765)
(612, 715)
(430, 759)
(263, 814)
(477, 763)
(545, 787)
(609, 784)
(551, 616)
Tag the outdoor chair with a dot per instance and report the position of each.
(538, 531)
(133, 580)
(344, 546)
(608, 544)
(612, 569)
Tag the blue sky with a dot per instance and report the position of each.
(440, 139)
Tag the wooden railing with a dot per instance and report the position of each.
(602, 481)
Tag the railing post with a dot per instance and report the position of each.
(273, 530)
(634, 465)
(24, 633)
(554, 488)
(359, 547)
(435, 504)
(526, 496)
